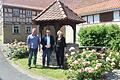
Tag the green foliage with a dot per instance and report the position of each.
(90, 65)
(17, 50)
(100, 35)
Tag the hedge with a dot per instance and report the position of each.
(107, 35)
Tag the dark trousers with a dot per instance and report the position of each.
(60, 56)
(46, 52)
(31, 53)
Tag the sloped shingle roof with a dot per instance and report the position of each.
(105, 6)
(58, 11)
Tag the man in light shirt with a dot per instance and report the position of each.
(33, 42)
(47, 41)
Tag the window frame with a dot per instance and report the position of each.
(16, 12)
(17, 27)
(28, 31)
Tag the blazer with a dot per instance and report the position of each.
(44, 42)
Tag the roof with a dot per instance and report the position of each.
(58, 11)
(40, 4)
(35, 4)
(105, 6)
(23, 6)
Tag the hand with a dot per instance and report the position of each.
(47, 46)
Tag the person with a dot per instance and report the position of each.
(60, 45)
(47, 42)
(33, 42)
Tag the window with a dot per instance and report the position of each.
(28, 13)
(5, 9)
(116, 15)
(96, 18)
(16, 12)
(28, 29)
(16, 29)
(90, 19)
(34, 13)
(106, 17)
(10, 10)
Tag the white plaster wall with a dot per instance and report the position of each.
(69, 34)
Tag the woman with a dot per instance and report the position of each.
(60, 45)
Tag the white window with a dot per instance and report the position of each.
(29, 29)
(28, 13)
(116, 15)
(90, 19)
(21, 11)
(16, 12)
(16, 29)
(34, 13)
(5, 9)
(30, 20)
(96, 18)
(9, 10)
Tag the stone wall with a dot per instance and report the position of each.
(9, 37)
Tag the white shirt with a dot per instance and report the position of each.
(48, 40)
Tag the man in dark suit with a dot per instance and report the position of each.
(47, 42)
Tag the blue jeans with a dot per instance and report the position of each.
(31, 53)
(46, 52)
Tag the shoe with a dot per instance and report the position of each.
(47, 66)
(35, 66)
(59, 67)
(43, 66)
(29, 67)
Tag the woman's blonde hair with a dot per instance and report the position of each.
(59, 32)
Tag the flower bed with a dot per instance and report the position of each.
(17, 50)
(90, 65)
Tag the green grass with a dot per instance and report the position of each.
(39, 70)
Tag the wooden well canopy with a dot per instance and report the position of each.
(57, 14)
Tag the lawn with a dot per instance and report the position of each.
(39, 70)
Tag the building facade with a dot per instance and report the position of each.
(106, 12)
(16, 16)
(16, 22)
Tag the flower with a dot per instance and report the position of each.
(93, 51)
(75, 62)
(89, 69)
(113, 59)
(81, 70)
(86, 63)
(71, 49)
(117, 54)
(98, 65)
(72, 53)
(79, 60)
(113, 64)
(107, 59)
(66, 55)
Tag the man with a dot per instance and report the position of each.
(47, 42)
(33, 42)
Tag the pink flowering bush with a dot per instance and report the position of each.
(90, 65)
(17, 50)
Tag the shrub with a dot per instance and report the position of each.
(100, 35)
(18, 50)
(90, 65)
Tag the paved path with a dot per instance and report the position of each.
(8, 72)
